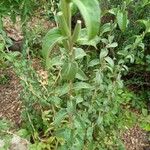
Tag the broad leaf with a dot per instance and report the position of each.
(60, 116)
(93, 63)
(79, 53)
(90, 11)
(110, 61)
(122, 20)
(55, 61)
(49, 41)
(83, 39)
(112, 45)
(69, 70)
(62, 90)
(103, 53)
(105, 28)
(81, 75)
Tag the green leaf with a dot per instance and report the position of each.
(79, 99)
(62, 90)
(130, 57)
(23, 133)
(55, 61)
(2, 46)
(69, 70)
(122, 20)
(49, 41)
(60, 116)
(82, 85)
(81, 75)
(113, 11)
(70, 106)
(79, 53)
(93, 63)
(103, 53)
(144, 112)
(112, 45)
(146, 23)
(99, 77)
(99, 120)
(54, 100)
(105, 28)
(90, 133)
(83, 39)
(110, 61)
(91, 18)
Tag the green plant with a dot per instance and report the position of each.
(78, 102)
(75, 103)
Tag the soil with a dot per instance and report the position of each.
(136, 139)
(10, 104)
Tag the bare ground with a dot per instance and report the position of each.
(10, 105)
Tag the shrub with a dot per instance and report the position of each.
(77, 101)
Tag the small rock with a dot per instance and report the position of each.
(17, 143)
(2, 143)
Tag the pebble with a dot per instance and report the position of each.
(17, 143)
(2, 143)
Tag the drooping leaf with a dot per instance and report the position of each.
(110, 61)
(70, 106)
(91, 18)
(49, 41)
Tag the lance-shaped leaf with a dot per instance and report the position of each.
(90, 11)
(122, 20)
(146, 23)
(49, 41)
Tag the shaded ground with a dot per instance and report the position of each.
(10, 106)
(136, 139)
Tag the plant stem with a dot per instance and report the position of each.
(63, 25)
(66, 9)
